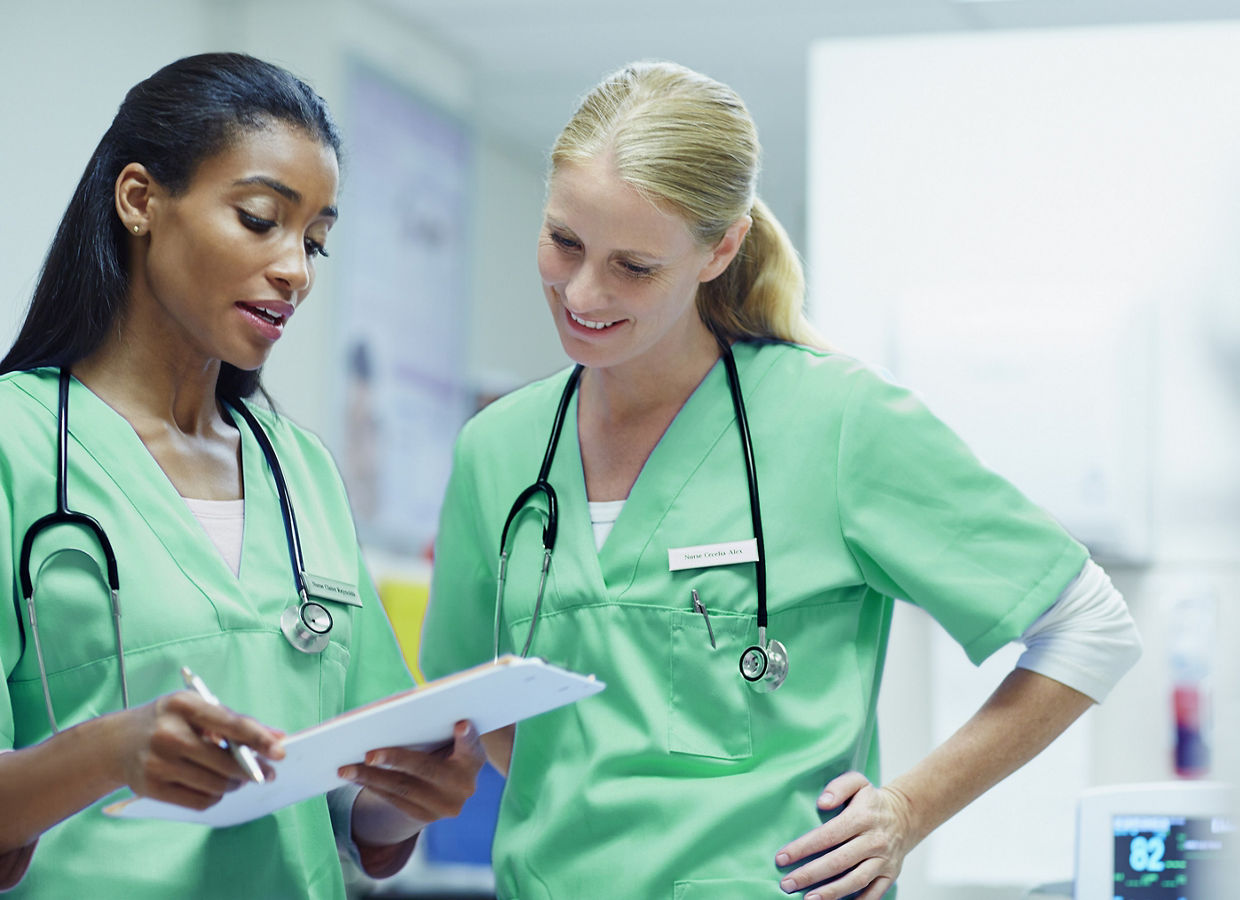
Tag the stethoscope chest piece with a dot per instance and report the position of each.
(765, 667)
(307, 626)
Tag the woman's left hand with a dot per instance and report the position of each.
(863, 848)
(403, 790)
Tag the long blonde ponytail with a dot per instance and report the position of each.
(761, 294)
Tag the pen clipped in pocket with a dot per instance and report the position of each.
(708, 704)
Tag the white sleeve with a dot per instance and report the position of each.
(340, 808)
(1087, 639)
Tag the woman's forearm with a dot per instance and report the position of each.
(1024, 714)
(47, 783)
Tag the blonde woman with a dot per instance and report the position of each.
(714, 513)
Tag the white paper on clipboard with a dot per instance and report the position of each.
(491, 696)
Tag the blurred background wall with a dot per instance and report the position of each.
(1028, 227)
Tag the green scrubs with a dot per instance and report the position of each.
(181, 606)
(679, 781)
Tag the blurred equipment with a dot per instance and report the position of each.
(1157, 841)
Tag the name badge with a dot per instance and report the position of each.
(726, 554)
(326, 589)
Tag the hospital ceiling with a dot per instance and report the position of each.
(534, 58)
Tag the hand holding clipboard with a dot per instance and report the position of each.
(491, 696)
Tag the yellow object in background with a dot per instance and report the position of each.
(405, 600)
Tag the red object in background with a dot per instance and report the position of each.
(1192, 755)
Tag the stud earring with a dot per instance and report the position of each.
(137, 229)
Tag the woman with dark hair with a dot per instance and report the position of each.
(189, 243)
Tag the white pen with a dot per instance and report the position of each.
(241, 753)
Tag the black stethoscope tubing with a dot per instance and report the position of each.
(542, 485)
(307, 625)
(756, 665)
(63, 515)
(751, 474)
(292, 535)
(314, 617)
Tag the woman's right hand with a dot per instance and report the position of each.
(169, 749)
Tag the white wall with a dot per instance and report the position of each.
(512, 336)
(64, 67)
(959, 181)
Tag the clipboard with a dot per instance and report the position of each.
(491, 695)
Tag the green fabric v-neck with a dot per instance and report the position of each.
(678, 781)
(181, 605)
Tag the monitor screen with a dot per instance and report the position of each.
(1170, 857)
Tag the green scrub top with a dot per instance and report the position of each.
(679, 781)
(180, 605)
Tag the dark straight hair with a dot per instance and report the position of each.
(183, 114)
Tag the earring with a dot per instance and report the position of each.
(137, 229)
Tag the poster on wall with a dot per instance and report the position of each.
(404, 307)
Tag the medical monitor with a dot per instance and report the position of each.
(1162, 841)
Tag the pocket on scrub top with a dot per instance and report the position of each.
(333, 677)
(708, 705)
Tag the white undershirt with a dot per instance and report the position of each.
(1086, 639)
(603, 515)
(224, 522)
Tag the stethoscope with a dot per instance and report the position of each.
(307, 625)
(763, 665)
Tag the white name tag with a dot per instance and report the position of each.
(726, 554)
(326, 589)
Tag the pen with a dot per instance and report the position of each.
(699, 607)
(241, 753)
